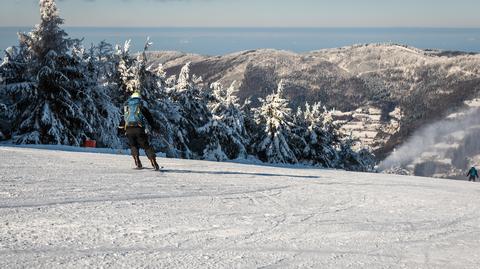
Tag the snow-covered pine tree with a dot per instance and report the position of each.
(329, 147)
(167, 113)
(351, 160)
(274, 117)
(95, 96)
(126, 77)
(103, 58)
(251, 128)
(297, 141)
(346, 157)
(48, 36)
(13, 69)
(321, 136)
(4, 121)
(224, 134)
(12, 73)
(192, 102)
(46, 103)
(232, 114)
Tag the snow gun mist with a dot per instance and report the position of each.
(444, 149)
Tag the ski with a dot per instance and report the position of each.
(149, 168)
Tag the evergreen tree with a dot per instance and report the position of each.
(48, 37)
(193, 110)
(126, 76)
(12, 73)
(349, 159)
(252, 132)
(274, 116)
(104, 59)
(4, 121)
(13, 69)
(321, 136)
(297, 141)
(224, 134)
(96, 98)
(52, 91)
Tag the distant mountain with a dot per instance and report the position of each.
(382, 92)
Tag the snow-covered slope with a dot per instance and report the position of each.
(70, 209)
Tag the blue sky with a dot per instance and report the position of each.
(251, 13)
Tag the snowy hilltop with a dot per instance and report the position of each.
(403, 83)
(76, 210)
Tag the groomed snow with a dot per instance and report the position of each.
(80, 210)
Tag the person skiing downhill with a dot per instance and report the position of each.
(472, 174)
(136, 116)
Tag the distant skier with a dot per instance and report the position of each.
(472, 174)
(136, 116)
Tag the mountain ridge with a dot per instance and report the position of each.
(381, 93)
(425, 85)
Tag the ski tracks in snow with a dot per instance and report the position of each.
(67, 209)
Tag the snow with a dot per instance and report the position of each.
(78, 149)
(64, 209)
(473, 103)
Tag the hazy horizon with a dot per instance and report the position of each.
(224, 40)
(251, 13)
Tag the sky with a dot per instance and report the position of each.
(251, 13)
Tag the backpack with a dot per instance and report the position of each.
(133, 113)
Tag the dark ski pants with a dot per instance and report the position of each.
(137, 138)
(471, 178)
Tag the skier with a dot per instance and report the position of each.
(472, 174)
(136, 116)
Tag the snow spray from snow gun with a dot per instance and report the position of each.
(451, 141)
